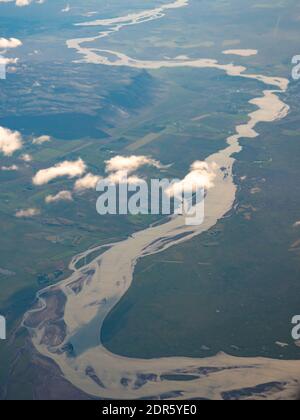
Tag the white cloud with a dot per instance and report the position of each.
(4, 61)
(5, 44)
(10, 141)
(27, 213)
(21, 3)
(10, 43)
(7, 65)
(119, 167)
(64, 169)
(66, 9)
(241, 53)
(88, 182)
(61, 196)
(130, 164)
(201, 175)
(297, 224)
(10, 168)
(41, 140)
(26, 157)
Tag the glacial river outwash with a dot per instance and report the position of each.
(70, 336)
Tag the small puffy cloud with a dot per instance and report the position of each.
(26, 157)
(201, 175)
(241, 53)
(7, 65)
(66, 9)
(21, 3)
(41, 140)
(297, 224)
(119, 167)
(88, 182)
(5, 44)
(61, 196)
(4, 61)
(10, 43)
(130, 164)
(32, 212)
(64, 169)
(204, 173)
(10, 141)
(10, 168)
